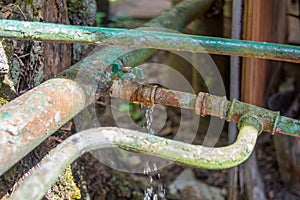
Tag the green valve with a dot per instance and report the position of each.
(116, 67)
(120, 74)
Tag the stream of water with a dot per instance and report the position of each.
(155, 190)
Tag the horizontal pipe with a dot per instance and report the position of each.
(288, 126)
(25, 30)
(32, 117)
(59, 158)
(204, 104)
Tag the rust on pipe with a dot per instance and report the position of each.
(207, 104)
(26, 121)
(151, 94)
(204, 104)
(31, 118)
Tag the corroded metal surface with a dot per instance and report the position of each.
(288, 126)
(204, 104)
(34, 116)
(269, 118)
(207, 104)
(147, 39)
(151, 94)
(98, 138)
(28, 120)
(181, 99)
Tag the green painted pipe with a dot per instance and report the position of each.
(288, 126)
(146, 39)
(73, 147)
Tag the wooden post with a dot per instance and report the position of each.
(258, 20)
(261, 22)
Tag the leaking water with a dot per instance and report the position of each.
(149, 119)
(155, 190)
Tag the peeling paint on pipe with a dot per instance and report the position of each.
(27, 121)
(146, 39)
(23, 126)
(204, 104)
(59, 158)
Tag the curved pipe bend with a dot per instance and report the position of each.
(110, 137)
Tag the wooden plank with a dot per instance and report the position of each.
(257, 27)
(263, 21)
(293, 22)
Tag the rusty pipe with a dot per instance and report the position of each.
(204, 104)
(151, 94)
(34, 116)
(27, 121)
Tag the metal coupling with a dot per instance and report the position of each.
(250, 119)
(133, 91)
(207, 104)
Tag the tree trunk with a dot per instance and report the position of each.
(31, 63)
(57, 56)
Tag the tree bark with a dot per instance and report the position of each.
(31, 63)
(57, 56)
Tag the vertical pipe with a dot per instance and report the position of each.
(235, 62)
(237, 8)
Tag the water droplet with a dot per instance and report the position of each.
(149, 119)
(150, 193)
(151, 179)
(154, 167)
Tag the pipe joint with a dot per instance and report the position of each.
(206, 104)
(133, 91)
(269, 119)
(146, 94)
(250, 119)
